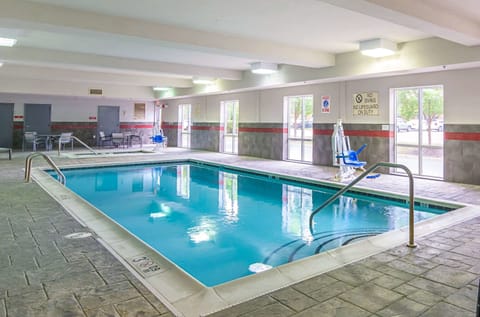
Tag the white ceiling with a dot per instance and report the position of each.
(167, 42)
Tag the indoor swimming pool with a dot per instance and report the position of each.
(220, 224)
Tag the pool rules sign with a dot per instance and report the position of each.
(365, 104)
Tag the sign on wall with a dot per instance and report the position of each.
(325, 104)
(366, 104)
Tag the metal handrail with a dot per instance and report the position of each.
(79, 141)
(28, 167)
(411, 242)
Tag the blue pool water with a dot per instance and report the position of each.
(215, 222)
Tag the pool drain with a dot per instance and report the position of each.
(78, 235)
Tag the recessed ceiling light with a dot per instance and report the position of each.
(203, 81)
(1, 64)
(263, 68)
(7, 42)
(378, 48)
(161, 88)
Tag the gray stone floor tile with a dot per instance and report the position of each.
(334, 308)
(247, 307)
(433, 287)
(330, 291)
(156, 303)
(446, 310)
(406, 289)
(471, 250)
(3, 308)
(449, 276)
(276, 309)
(403, 308)
(378, 260)
(386, 269)
(105, 295)
(407, 267)
(59, 270)
(465, 298)
(136, 307)
(452, 263)
(293, 299)
(33, 225)
(74, 283)
(314, 284)
(371, 297)
(388, 281)
(354, 274)
(104, 311)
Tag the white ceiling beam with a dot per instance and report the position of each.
(10, 70)
(48, 17)
(426, 16)
(81, 61)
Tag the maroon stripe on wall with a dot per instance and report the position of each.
(462, 136)
(322, 132)
(206, 128)
(170, 126)
(370, 133)
(73, 126)
(263, 130)
(136, 126)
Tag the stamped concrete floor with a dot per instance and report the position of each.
(43, 273)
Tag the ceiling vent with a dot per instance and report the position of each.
(96, 91)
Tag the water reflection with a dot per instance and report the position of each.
(228, 196)
(183, 181)
(296, 209)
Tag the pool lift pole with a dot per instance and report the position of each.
(411, 214)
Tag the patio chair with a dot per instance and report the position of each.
(118, 139)
(31, 137)
(102, 138)
(65, 138)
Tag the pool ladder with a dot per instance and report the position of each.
(79, 141)
(28, 167)
(411, 223)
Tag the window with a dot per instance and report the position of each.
(419, 129)
(185, 119)
(300, 128)
(230, 112)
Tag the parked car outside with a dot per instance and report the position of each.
(437, 125)
(402, 125)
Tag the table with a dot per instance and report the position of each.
(49, 140)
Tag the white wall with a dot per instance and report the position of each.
(74, 109)
(461, 99)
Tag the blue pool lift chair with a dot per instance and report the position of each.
(160, 139)
(350, 158)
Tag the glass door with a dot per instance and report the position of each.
(230, 112)
(419, 130)
(300, 128)
(185, 119)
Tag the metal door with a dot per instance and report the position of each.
(6, 124)
(37, 118)
(108, 119)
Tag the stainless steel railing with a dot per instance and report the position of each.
(79, 141)
(28, 167)
(411, 222)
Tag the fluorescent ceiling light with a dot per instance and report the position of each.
(263, 68)
(203, 81)
(161, 88)
(7, 42)
(1, 64)
(378, 47)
